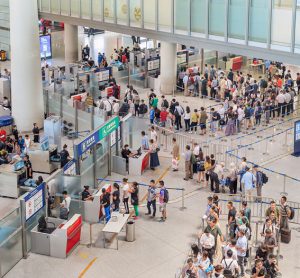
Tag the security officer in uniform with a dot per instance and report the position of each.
(36, 133)
(85, 194)
(64, 156)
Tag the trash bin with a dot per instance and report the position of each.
(130, 231)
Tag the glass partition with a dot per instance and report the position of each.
(136, 13)
(217, 17)
(237, 19)
(109, 11)
(258, 21)
(149, 14)
(102, 156)
(75, 8)
(165, 15)
(182, 16)
(55, 6)
(96, 10)
(86, 9)
(87, 169)
(297, 31)
(122, 12)
(45, 5)
(198, 16)
(65, 7)
(10, 241)
(282, 18)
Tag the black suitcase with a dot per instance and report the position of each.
(285, 235)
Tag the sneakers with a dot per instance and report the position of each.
(147, 213)
(161, 220)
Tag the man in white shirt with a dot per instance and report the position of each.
(231, 246)
(241, 247)
(116, 107)
(108, 107)
(195, 69)
(229, 264)
(207, 242)
(65, 206)
(280, 99)
(196, 149)
(153, 134)
(286, 107)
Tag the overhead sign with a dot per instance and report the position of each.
(34, 201)
(91, 140)
(297, 139)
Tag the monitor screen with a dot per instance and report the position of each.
(45, 145)
(45, 47)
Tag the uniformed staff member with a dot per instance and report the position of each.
(85, 194)
(28, 167)
(36, 133)
(64, 156)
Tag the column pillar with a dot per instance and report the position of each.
(168, 67)
(26, 77)
(71, 43)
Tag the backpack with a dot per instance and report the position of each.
(218, 116)
(264, 178)
(247, 113)
(227, 271)
(166, 104)
(166, 196)
(263, 84)
(292, 215)
(258, 111)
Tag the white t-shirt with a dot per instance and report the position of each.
(116, 107)
(66, 202)
(126, 190)
(107, 105)
(187, 116)
(231, 264)
(153, 135)
(234, 252)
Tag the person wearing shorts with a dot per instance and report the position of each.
(202, 121)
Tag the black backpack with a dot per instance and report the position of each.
(264, 178)
(166, 196)
(227, 271)
(166, 104)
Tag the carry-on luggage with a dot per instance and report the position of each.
(285, 235)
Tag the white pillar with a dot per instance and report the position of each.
(71, 43)
(168, 67)
(26, 77)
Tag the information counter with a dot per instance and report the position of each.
(138, 165)
(60, 239)
(10, 180)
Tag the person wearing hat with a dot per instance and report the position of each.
(248, 183)
(64, 156)
(85, 194)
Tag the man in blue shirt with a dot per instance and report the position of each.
(145, 141)
(248, 183)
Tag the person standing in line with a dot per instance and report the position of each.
(153, 150)
(163, 200)
(187, 119)
(27, 144)
(175, 155)
(202, 121)
(28, 167)
(188, 164)
(65, 206)
(125, 194)
(116, 197)
(64, 156)
(152, 115)
(151, 198)
(259, 181)
(231, 219)
(145, 141)
(36, 133)
(248, 183)
(241, 247)
(134, 191)
(194, 121)
(105, 202)
(284, 213)
(153, 134)
(233, 178)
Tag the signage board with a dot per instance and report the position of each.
(45, 47)
(182, 57)
(34, 201)
(153, 63)
(297, 138)
(99, 134)
(103, 75)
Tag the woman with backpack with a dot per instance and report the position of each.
(200, 167)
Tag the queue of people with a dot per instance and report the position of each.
(227, 254)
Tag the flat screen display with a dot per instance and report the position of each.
(45, 46)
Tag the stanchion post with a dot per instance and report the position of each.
(91, 237)
(250, 148)
(256, 234)
(226, 234)
(285, 139)
(266, 150)
(249, 263)
(284, 193)
(182, 200)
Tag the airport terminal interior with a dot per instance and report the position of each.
(150, 138)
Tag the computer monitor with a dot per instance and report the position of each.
(19, 165)
(139, 151)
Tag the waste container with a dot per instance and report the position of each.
(130, 231)
(3, 55)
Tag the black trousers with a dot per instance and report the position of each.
(233, 187)
(36, 138)
(125, 202)
(153, 204)
(215, 183)
(178, 122)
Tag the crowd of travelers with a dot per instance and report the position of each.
(228, 254)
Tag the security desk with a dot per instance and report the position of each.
(115, 226)
(138, 165)
(10, 180)
(40, 160)
(61, 241)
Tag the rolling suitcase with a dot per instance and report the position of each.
(285, 235)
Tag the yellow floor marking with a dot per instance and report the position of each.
(81, 275)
